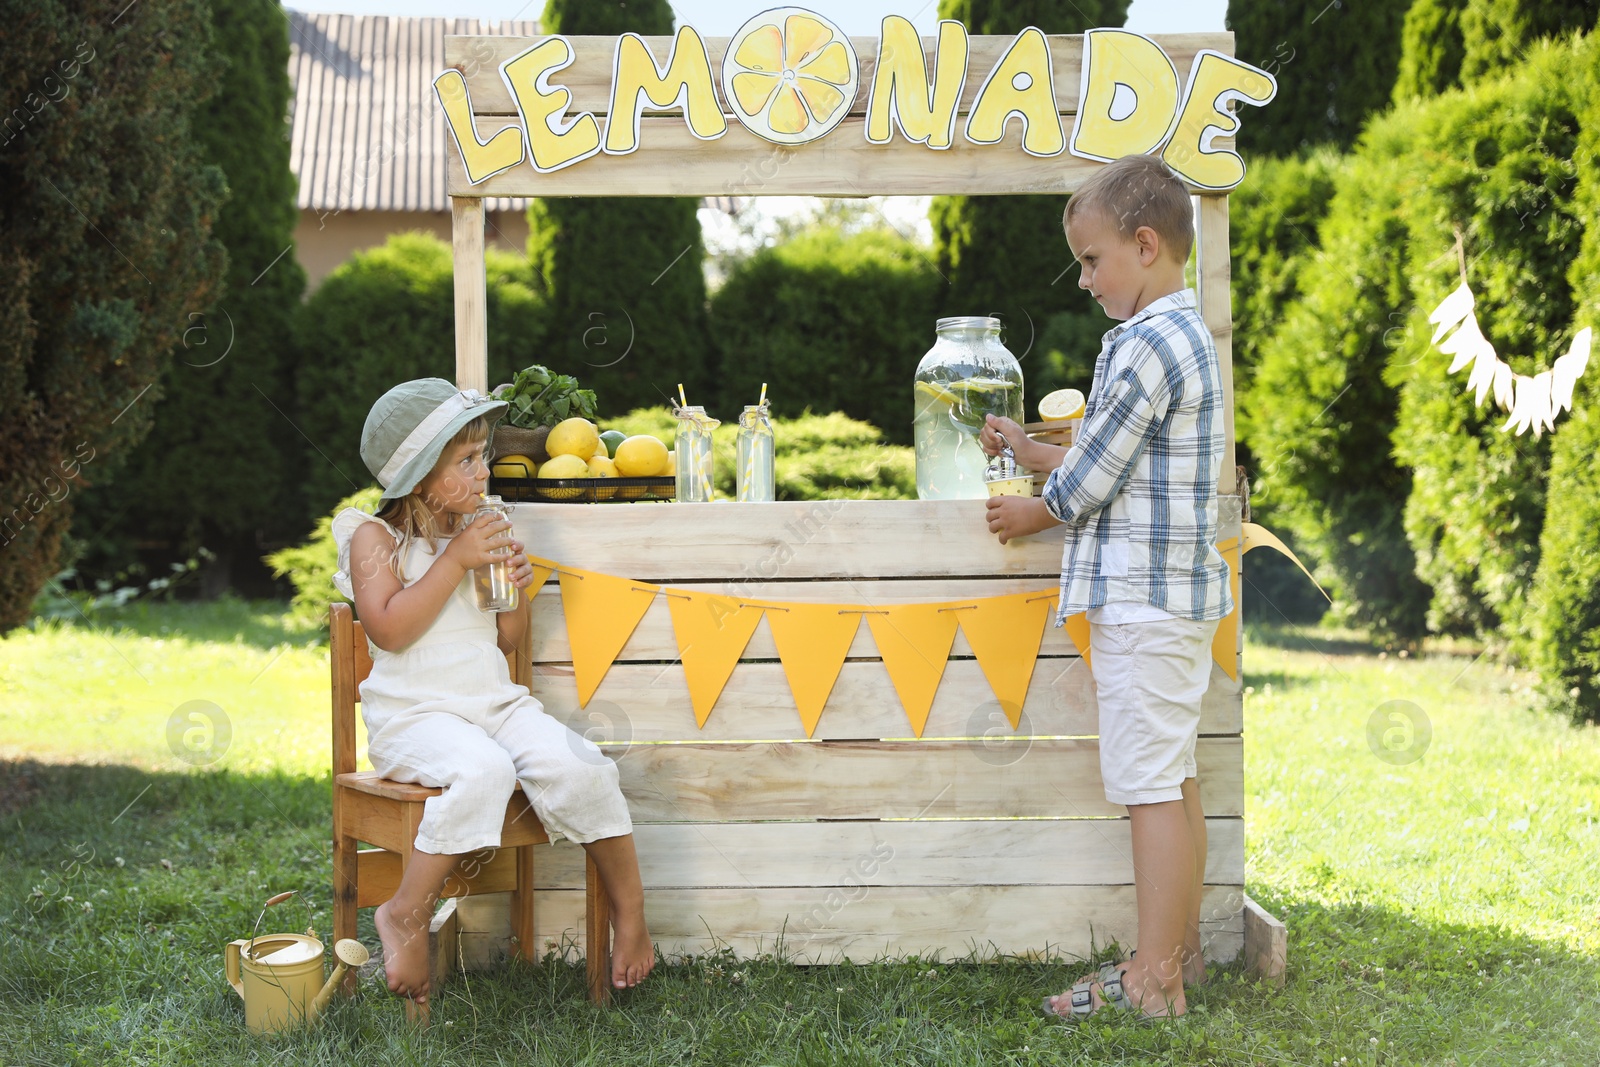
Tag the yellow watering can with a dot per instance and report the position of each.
(279, 976)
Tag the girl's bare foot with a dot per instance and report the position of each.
(633, 955)
(405, 953)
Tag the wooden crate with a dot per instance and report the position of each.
(862, 841)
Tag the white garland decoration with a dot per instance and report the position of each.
(1534, 402)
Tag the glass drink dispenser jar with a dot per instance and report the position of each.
(966, 375)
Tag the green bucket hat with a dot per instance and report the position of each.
(409, 426)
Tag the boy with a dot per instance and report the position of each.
(1138, 495)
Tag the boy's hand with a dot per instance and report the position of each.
(989, 436)
(1018, 516)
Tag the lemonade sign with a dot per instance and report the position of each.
(789, 76)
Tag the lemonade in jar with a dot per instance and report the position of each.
(966, 375)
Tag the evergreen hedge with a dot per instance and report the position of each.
(832, 322)
(1497, 34)
(385, 316)
(1430, 49)
(105, 249)
(1563, 620)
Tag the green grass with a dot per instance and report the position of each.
(1441, 911)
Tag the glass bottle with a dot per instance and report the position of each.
(492, 582)
(753, 476)
(693, 448)
(967, 375)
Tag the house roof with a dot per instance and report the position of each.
(367, 132)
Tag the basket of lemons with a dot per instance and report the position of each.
(584, 466)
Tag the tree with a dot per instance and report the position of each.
(226, 390)
(1335, 65)
(1007, 255)
(1430, 49)
(627, 296)
(105, 249)
(1496, 34)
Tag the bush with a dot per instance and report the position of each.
(310, 566)
(1320, 415)
(815, 457)
(833, 322)
(385, 316)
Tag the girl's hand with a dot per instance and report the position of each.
(485, 540)
(521, 569)
(989, 438)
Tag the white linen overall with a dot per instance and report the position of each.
(444, 712)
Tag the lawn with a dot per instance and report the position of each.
(163, 768)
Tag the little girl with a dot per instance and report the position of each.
(440, 707)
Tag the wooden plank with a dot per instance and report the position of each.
(1216, 307)
(589, 76)
(650, 702)
(672, 162)
(1266, 943)
(792, 539)
(444, 945)
(805, 780)
(1065, 852)
(785, 540)
(472, 301)
(824, 925)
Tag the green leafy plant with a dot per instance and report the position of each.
(540, 397)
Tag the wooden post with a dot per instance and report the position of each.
(1215, 273)
(472, 298)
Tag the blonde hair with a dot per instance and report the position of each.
(1137, 191)
(410, 514)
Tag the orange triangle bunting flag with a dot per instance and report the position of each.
(542, 569)
(1077, 627)
(914, 641)
(712, 632)
(812, 640)
(602, 613)
(1004, 632)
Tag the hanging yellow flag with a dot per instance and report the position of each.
(541, 574)
(1004, 632)
(602, 612)
(914, 641)
(1225, 645)
(712, 632)
(812, 640)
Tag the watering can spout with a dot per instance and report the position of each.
(347, 953)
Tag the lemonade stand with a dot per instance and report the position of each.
(845, 728)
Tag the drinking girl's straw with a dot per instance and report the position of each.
(763, 401)
(682, 400)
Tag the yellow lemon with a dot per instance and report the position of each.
(602, 467)
(669, 466)
(791, 74)
(565, 466)
(601, 451)
(514, 466)
(640, 456)
(573, 437)
(1061, 404)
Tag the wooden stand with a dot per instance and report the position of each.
(858, 842)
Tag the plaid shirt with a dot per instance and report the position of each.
(1138, 488)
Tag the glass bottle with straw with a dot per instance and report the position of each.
(754, 476)
(693, 446)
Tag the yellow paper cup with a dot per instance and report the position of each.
(1022, 485)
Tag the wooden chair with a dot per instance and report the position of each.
(385, 814)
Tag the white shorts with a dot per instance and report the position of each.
(1149, 679)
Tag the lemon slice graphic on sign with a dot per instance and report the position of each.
(790, 74)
